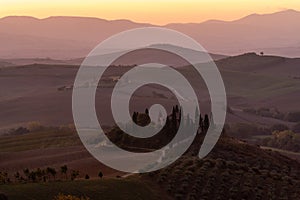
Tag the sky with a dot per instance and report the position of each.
(149, 11)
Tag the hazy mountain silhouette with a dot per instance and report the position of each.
(56, 37)
(276, 33)
(71, 37)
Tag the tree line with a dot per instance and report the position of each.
(42, 175)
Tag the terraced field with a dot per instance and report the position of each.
(42, 139)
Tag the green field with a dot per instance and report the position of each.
(130, 189)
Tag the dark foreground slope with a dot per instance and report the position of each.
(108, 189)
(233, 170)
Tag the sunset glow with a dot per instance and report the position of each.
(151, 11)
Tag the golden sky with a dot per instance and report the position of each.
(152, 11)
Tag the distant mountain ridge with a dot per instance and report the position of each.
(72, 37)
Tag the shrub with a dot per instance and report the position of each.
(19, 131)
(296, 128)
(34, 126)
(69, 197)
(279, 127)
(293, 116)
(100, 174)
(3, 197)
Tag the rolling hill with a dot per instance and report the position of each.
(233, 170)
(31, 92)
(266, 65)
(73, 37)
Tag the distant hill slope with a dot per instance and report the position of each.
(267, 65)
(262, 81)
(31, 92)
(5, 63)
(73, 37)
(31, 61)
(129, 60)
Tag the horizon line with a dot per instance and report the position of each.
(133, 21)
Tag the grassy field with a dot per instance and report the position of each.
(47, 138)
(257, 86)
(251, 85)
(130, 188)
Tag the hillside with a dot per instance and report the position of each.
(67, 38)
(108, 189)
(262, 81)
(233, 170)
(48, 147)
(31, 61)
(266, 65)
(251, 81)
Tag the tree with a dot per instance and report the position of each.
(296, 128)
(4, 178)
(177, 108)
(51, 171)
(34, 126)
(167, 122)
(17, 176)
(143, 119)
(32, 176)
(134, 117)
(26, 173)
(19, 131)
(293, 116)
(39, 173)
(147, 111)
(279, 127)
(262, 53)
(87, 176)
(74, 174)
(201, 123)
(100, 174)
(206, 122)
(64, 170)
(180, 113)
